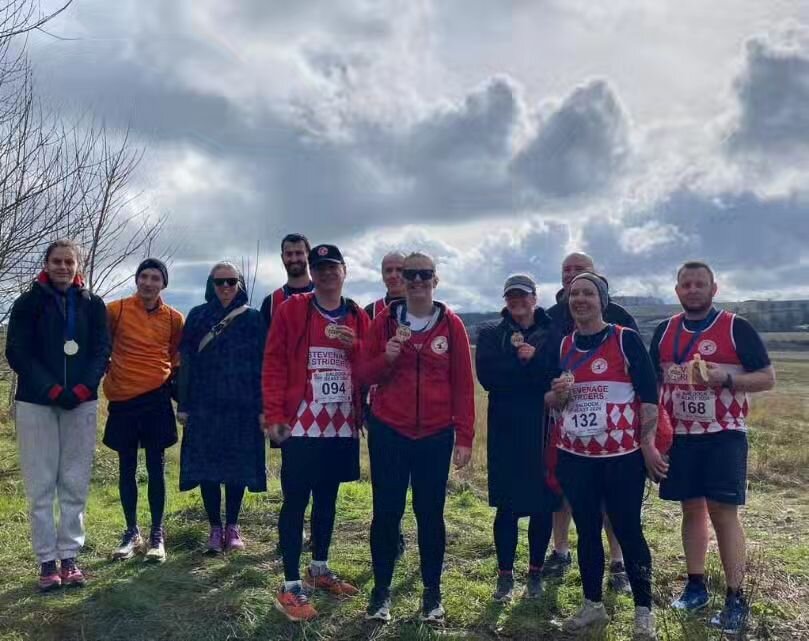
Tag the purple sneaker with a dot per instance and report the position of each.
(233, 538)
(216, 540)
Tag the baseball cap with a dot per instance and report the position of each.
(523, 282)
(325, 254)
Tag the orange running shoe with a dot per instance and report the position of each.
(329, 582)
(294, 604)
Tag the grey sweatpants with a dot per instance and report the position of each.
(56, 456)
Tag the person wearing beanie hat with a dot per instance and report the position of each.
(509, 369)
(604, 397)
(145, 336)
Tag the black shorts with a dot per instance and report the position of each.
(307, 461)
(144, 421)
(711, 466)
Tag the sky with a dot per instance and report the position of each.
(497, 135)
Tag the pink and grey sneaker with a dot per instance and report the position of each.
(49, 578)
(233, 539)
(216, 541)
(70, 573)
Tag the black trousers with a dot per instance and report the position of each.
(398, 462)
(128, 483)
(540, 527)
(212, 500)
(617, 483)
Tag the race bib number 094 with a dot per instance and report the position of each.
(331, 387)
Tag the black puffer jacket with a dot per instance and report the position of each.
(36, 337)
(516, 415)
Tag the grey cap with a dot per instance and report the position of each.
(523, 282)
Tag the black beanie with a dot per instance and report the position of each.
(154, 263)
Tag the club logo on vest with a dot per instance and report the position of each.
(707, 347)
(439, 345)
(599, 366)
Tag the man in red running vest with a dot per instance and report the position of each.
(707, 361)
(294, 251)
(392, 265)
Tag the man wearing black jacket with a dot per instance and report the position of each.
(559, 560)
(59, 346)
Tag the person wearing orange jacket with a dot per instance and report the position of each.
(418, 355)
(313, 408)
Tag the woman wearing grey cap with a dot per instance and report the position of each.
(605, 401)
(509, 369)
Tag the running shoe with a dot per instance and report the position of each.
(233, 539)
(733, 617)
(557, 564)
(591, 615)
(157, 546)
(618, 580)
(330, 582)
(131, 544)
(294, 604)
(49, 577)
(533, 587)
(379, 605)
(504, 591)
(431, 609)
(216, 540)
(70, 573)
(644, 625)
(694, 597)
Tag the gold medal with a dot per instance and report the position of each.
(517, 339)
(675, 373)
(568, 377)
(332, 331)
(71, 348)
(403, 333)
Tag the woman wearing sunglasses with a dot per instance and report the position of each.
(220, 403)
(417, 354)
(605, 397)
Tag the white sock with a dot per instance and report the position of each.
(288, 585)
(318, 567)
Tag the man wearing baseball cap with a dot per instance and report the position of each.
(508, 368)
(145, 335)
(313, 408)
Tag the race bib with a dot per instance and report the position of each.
(331, 387)
(694, 405)
(585, 417)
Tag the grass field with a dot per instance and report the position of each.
(197, 598)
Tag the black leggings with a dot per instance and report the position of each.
(396, 463)
(615, 485)
(128, 484)
(212, 500)
(540, 526)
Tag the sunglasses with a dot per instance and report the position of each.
(423, 274)
(230, 282)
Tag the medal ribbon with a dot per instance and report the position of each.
(567, 366)
(335, 317)
(70, 314)
(680, 357)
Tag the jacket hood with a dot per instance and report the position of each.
(210, 292)
(43, 279)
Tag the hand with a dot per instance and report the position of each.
(561, 389)
(182, 417)
(393, 349)
(462, 456)
(345, 335)
(716, 375)
(67, 400)
(525, 352)
(657, 465)
(278, 432)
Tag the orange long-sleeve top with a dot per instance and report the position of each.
(144, 347)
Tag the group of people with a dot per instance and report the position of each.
(577, 417)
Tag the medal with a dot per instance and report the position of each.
(517, 339)
(568, 377)
(332, 331)
(71, 348)
(675, 373)
(403, 333)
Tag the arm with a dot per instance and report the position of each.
(186, 356)
(275, 369)
(759, 375)
(177, 321)
(373, 367)
(20, 339)
(463, 384)
(99, 349)
(495, 367)
(654, 350)
(266, 311)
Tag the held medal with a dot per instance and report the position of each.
(332, 331)
(71, 348)
(517, 339)
(403, 333)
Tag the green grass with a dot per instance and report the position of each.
(198, 598)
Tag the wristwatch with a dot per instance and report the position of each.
(728, 382)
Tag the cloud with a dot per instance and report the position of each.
(581, 147)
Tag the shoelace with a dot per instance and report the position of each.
(156, 538)
(300, 596)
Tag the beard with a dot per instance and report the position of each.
(295, 269)
(697, 307)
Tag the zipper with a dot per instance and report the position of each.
(418, 392)
(64, 356)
